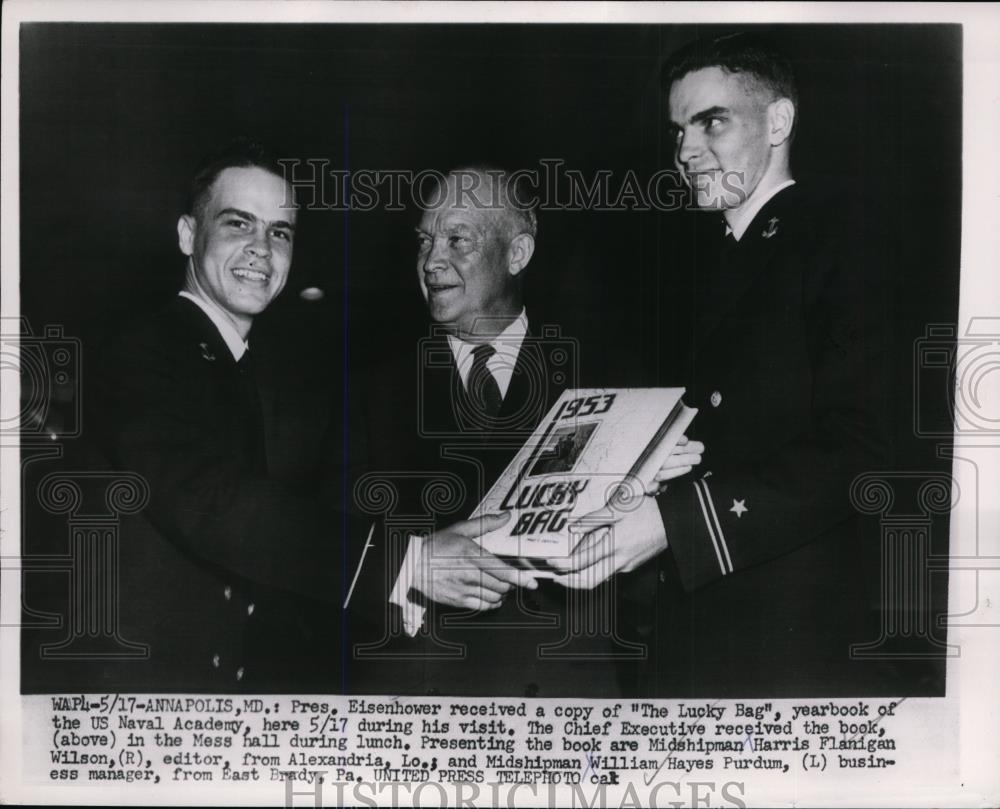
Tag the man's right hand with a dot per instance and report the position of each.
(456, 571)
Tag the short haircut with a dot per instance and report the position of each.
(240, 152)
(751, 55)
(515, 196)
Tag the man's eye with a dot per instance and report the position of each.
(713, 123)
(240, 224)
(458, 241)
(284, 235)
(423, 242)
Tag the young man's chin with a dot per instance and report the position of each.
(250, 305)
(707, 201)
(718, 196)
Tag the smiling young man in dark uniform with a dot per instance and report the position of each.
(235, 556)
(758, 589)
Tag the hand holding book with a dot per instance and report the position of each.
(596, 449)
(454, 570)
(620, 540)
(683, 458)
(624, 541)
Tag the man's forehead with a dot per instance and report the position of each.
(254, 190)
(452, 212)
(706, 88)
(471, 187)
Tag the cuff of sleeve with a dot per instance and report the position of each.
(413, 614)
(659, 526)
(696, 539)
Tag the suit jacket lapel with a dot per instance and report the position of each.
(201, 336)
(443, 396)
(520, 388)
(266, 367)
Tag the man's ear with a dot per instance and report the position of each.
(185, 234)
(780, 120)
(522, 248)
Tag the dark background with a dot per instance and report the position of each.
(115, 117)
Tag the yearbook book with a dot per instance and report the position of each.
(596, 447)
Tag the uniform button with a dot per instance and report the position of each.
(227, 593)
(215, 661)
(663, 577)
(239, 673)
(250, 609)
(715, 398)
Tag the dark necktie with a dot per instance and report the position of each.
(728, 249)
(483, 388)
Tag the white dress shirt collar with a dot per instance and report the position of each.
(740, 220)
(501, 364)
(236, 344)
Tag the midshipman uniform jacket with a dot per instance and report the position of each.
(761, 590)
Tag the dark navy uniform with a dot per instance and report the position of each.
(234, 573)
(761, 590)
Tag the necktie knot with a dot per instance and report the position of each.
(481, 354)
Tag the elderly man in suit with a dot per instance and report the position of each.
(470, 394)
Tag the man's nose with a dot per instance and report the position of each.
(689, 146)
(436, 258)
(258, 244)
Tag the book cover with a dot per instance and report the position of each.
(595, 447)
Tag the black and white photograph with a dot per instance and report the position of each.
(563, 450)
(283, 298)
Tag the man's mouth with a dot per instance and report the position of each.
(440, 289)
(251, 275)
(702, 180)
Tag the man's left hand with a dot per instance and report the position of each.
(684, 457)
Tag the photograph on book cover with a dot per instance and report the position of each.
(285, 289)
(563, 450)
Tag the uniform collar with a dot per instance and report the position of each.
(237, 345)
(507, 345)
(738, 223)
